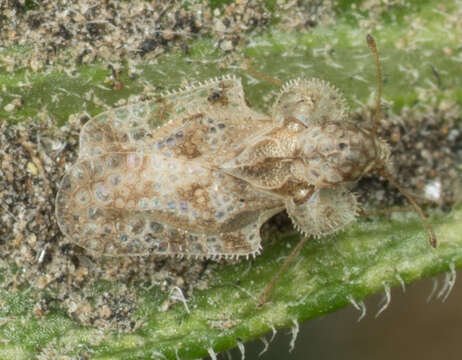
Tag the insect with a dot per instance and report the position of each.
(197, 172)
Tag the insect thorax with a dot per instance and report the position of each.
(294, 157)
(335, 153)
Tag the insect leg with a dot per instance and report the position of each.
(264, 296)
(248, 67)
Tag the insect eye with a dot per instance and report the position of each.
(342, 146)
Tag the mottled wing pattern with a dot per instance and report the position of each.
(328, 210)
(147, 181)
(134, 204)
(122, 129)
(213, 126)
(194, 122)
(210, 136)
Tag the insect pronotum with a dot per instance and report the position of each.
(380, 170)
(197, 172)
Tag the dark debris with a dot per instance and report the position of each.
(33, 159)
(426, 148)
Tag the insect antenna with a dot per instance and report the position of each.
(373, 47)
(418, 209)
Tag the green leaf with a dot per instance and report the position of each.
(421, 56)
